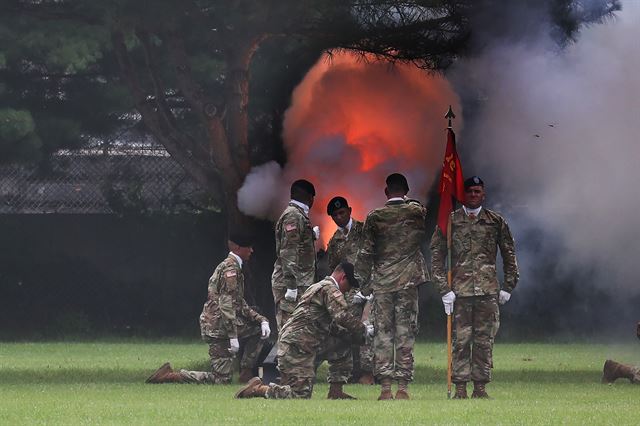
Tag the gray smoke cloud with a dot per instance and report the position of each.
(556, 131)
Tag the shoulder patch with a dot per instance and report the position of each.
(290, 227)
(230, 274)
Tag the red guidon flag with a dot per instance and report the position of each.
(451, 182)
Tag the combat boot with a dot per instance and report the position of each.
(246, 374)
(253, 389)
(461, 391)
(366, 379)
(403, 391)
(165, 374)
(335, 392)
(614, 370)
(479, 391)
(385, 392)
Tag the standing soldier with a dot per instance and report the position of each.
(476, 235)
(295, 267)
(304, 334)
(343, 247)
(391, 254)
(225, 323)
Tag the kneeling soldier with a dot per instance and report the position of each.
(304, 333)
(225, 322)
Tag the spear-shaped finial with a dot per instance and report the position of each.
(450, 115)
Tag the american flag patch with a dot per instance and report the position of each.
(230, 274)
(290, 227)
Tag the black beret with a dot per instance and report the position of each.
(335, 204)
(240, 238)
(473, 181)
(397, 180)
(305, 186)
(349, 271)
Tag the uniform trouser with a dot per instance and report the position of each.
(476, 321)
(395, 319)
(284, 308)
(338, 354)
(296, 373)
(222, 360)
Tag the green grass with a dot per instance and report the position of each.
(103, 383)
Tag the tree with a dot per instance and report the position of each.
(74, 70)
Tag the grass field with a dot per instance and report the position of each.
(103, 383)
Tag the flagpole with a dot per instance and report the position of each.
(449, 115)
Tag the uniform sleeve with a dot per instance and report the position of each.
(332, 256)
(509, 262)
(364, 260)
(438, 261)
(227, 295)
(339, 312)
(252, 315)
(292, 243)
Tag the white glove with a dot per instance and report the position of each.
(369, 330)
(359, 298)
(448, 300)
(266, 331)
(291, 295)
(235, 346)
(503, 297)
(316, 232)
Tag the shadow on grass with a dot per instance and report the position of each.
(423, 374)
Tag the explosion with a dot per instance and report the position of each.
(352, 121)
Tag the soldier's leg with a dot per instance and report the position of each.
(383, 338)
(252, 345)
(486, 321)
(463, 327)
(297, 373)
(406, 313)
(340, 361)
(221, 361)
(278, 299)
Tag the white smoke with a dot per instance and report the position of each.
(262, 191)
(559, 131)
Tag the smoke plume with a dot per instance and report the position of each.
(555, 134)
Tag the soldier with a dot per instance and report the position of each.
(295, 266)
(391, 254)
(476, 234)
(613, 370)
(343, 246)
(304, 334)
(226, 322)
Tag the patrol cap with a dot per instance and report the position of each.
(349, 271)
(241, 238)
(473, 181)
(303, 185)
(335, 204)
(397, 180)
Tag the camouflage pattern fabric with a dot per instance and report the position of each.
(295, 265)
(344, 248)
(226, 312)
(395, 320)
(474, 246)
(305, 333)
(222, 361)
(392, 237)
(339, 355)
(291, 388)
(476, 321)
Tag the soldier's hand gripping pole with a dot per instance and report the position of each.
(449, 319)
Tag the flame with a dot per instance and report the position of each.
(352, 122)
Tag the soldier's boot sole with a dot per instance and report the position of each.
(161, 372)
(249, 390)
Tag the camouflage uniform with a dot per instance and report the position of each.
(476, 316)
(342, 356)
(225, 316)
(305, 333)
(295, 265)
(390, 265)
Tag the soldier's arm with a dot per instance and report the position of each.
(339, 312)
(292, 240)
(251, 314)
(364, 259)
(227, 295)
(332, 256)
(438, 261)
(509, 263)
